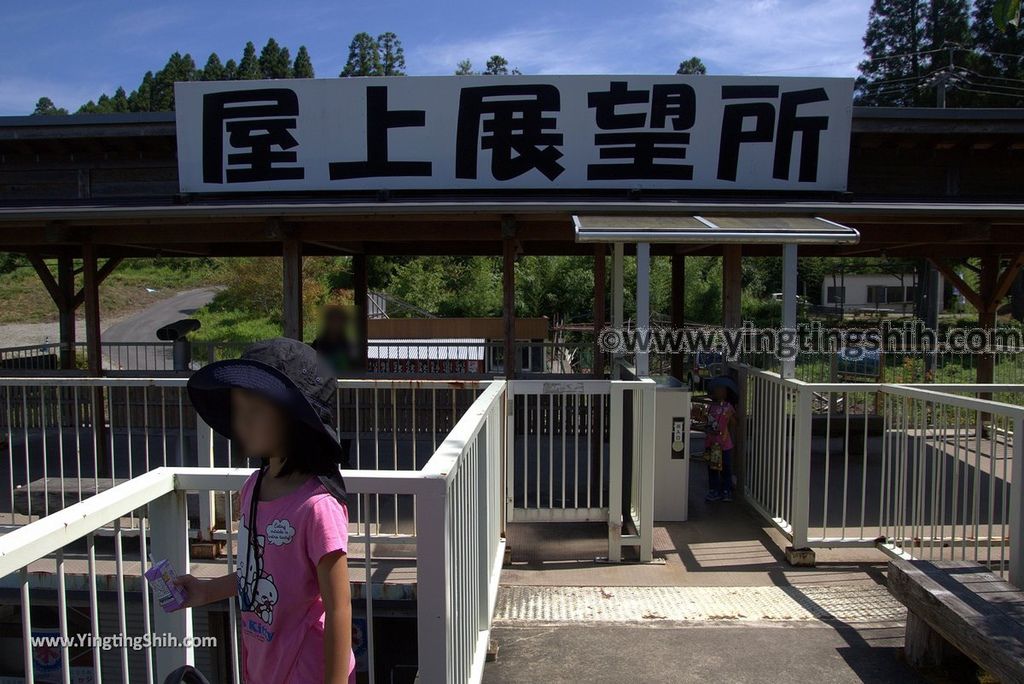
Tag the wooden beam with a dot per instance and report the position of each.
(732, 285)
(508, 289)
(600, 290)
(1006, 280)
(291, 251)
(66, 314)
(677, 290)
(107, 268)
(91, 294)
(361, 292)
(43, 271)
(963, 288)
(987, 317)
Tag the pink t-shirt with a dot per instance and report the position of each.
(283, 619)
(719, 414)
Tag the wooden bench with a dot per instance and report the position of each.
(959, 607)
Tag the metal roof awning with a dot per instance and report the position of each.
(712, 229)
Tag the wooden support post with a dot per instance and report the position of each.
(361, 292)
(732, 285)
(66, 283)
(618, 295)
(789, 270)
(600, 288)
(508, 286)
(94, 355)
(678, 297)
(987, 286)
(91, 289)
(292, 273)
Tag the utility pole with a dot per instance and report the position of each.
(943, 80)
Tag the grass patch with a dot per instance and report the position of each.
(25, 300)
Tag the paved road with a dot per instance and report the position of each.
(142, 327)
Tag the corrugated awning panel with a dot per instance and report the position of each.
(712, 229)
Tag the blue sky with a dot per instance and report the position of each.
(71, 51)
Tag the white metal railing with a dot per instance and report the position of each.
(456, 533)
(65, 439)
(455, 358)
(923, 471)
(574, 448)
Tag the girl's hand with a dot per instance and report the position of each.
(199, 592)
(196, 593)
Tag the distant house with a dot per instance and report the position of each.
(877, 291)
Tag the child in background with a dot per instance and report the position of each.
(275, 404)
(721, 423)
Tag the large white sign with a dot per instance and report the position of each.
(527, 132)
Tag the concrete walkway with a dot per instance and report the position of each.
(595, 654)
(719, 604)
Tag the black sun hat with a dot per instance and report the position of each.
(285, 371)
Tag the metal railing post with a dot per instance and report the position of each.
(433, 609)
(616, 398)
(169, 540)
(646, 473)
(1016, 506)
(509, 436)
(204, 450)
(800, 496)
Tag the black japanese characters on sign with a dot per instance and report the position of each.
(517, 132)
(675, 102)
(378, 120)
(760, 106)
(256, 122)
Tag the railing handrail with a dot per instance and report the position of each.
(924, 391)
(25, 544)
(38, 539)
(343, 383)
(443, 462)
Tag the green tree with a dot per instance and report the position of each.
(498, 66)
(448, 285)
(45, 107)
(141, 99)
(119, 102)
(946, 31)
(693, 66)
(392, 56)
(249, 67)
(894, 68)
(214, 70)
(275, 61)
(178, 68)
(1000, 65)
(363, 57)
(464, 68)
(230, 70)
(303, 67)
(1007, 14)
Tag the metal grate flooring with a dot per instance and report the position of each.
(539, 604)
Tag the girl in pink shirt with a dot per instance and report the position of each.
(292, 581)
(721, 423)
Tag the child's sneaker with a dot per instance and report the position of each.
(727, 497)
(712, 496)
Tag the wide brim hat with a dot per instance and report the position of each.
(287, 372)
(723, 381)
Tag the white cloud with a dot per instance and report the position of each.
(812, 37)
(18, 95)
(798, 37)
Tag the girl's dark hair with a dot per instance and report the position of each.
(308, 453)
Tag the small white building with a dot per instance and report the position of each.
(875, 291)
